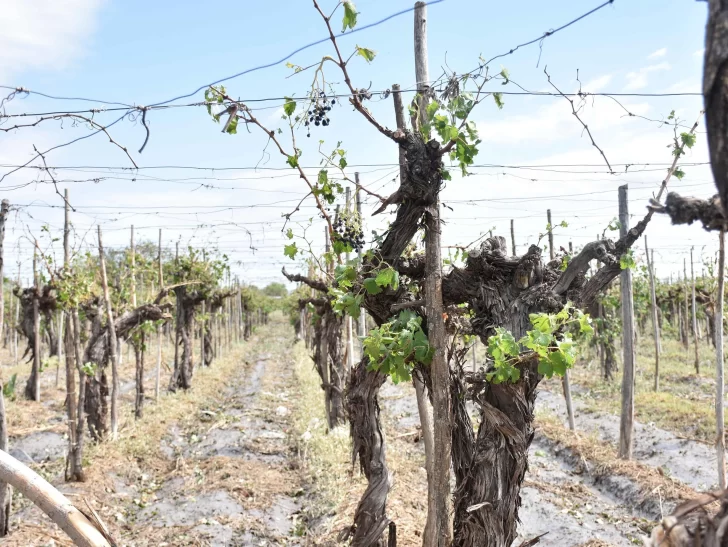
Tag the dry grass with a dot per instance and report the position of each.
(600, 458)
(134, 459)
(685, 403)
(336, 485)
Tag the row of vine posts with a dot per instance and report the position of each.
(92, 325)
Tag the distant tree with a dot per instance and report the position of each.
(276, 290)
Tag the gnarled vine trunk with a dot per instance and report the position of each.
(368, 445)
(187, 301)
(490, 465)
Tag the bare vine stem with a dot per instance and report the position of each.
(355, 100)
(53, 179)
(89, 121)
(248, 117)
(575, 112)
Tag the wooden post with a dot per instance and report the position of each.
(133, 269)
(4, 210)
(686, 314)
(112, 345)
(627, 418)
(325, 345)
(202, 336)
(362, 323)
(349, 320)
(159, 328)
(59, 345)
(565, 383)
(475, 357)
(695, 317)
(423, 403)
(653, 305)
(36, 327)
(551, 234)
(719, 376)
(513, 238)
(442, 525)
(74, 463)
(16, 354)
(6, 493)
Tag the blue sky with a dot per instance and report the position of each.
(142, 53)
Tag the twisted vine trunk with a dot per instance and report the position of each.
(328, 360)
(490, 466)
(368, 445)
(96, 405)
(186, 303)
(333, 327)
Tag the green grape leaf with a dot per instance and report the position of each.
(367, 53)
(385, 277)
(498, 98)
(290, 251)
(289, 107)
(370, 284)
(350, 14)
(687, 139)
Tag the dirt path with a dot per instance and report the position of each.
(221, 472)
(243, 488)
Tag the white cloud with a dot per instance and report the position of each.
(659, 53)
(44, 34)
(699, 53)
(685, 86)
(638, 79)
(554, 122)
(597, 84)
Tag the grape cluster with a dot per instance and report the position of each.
(319, 114)
(348, 232)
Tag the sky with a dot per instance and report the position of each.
(229, 192)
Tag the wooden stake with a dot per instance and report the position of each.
(653, 305)
(159, 328)
(695, 316)
(4, 210)
(513, 238)
(475, 356)
(325, 347)
(439, 368)
(6, 493)
(686, 341)
(17, 322)
(719, 376)
(112, 345)
(74, 463)
(565, 383)
(551, 234)
(627, 418)
(362, 323)
(423, 403)
(133, 270)
(202, 336)
(349, 320)
(36, 328)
